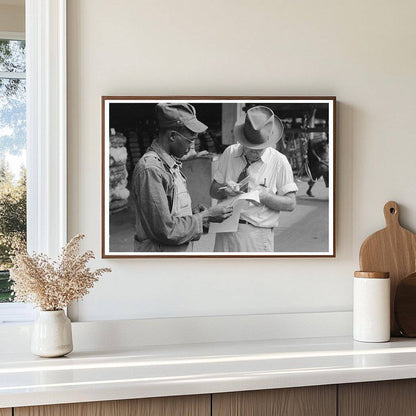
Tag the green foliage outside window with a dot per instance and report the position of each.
(12, 222)
(12, 145)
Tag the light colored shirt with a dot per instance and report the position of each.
(272, 170)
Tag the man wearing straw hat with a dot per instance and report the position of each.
(254, 164)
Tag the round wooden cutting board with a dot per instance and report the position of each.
(393, 250)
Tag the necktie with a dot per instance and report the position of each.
(244, 175)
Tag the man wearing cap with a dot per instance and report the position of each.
(254, 162)
(164, 218)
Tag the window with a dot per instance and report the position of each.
(45, 27)
(12, 154)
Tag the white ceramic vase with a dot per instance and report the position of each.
(52, 334)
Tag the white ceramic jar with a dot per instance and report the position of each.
(52, 334)
(371, 307)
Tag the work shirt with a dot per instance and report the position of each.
(164, 220)
(272, 170)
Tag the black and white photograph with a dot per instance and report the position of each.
(218, 176)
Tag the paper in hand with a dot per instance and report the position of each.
(230, 225)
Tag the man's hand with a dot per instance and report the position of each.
(224, 190)
(263, 191)
(232, 188)
(218, 213)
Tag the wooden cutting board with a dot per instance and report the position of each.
(393, 250)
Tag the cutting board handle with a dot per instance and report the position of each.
(391, 213)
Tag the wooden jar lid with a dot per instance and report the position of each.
(372, 275)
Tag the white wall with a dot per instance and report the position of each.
(12, 17)
(361, 51)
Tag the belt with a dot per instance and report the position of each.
(249, 223)
(245, 222)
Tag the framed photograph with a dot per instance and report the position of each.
(218, 177)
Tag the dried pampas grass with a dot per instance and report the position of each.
(52, 285)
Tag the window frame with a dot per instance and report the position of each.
(46, 125)
(12, 35)
(46, 128)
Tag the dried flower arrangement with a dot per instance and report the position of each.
(52, 285)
